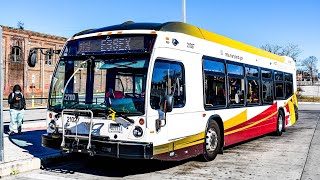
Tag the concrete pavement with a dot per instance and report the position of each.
(24, 152)
(294, 155)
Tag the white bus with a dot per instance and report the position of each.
(165, 91)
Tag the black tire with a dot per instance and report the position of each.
(212, 141)
(296, 112)
(280, 124)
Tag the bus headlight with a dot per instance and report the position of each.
(137, 132)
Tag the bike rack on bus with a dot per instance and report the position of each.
(76, 136)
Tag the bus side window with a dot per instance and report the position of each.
(167, 79)
(236, 88)
(214, 83)
(267, 86)
(236, 84)
(215, 93)
(279, 85)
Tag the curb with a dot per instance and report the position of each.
(19, 166)
(308, 103)
(35, 163)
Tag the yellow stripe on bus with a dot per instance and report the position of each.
(179, 144)
(219, 39)
(236, 120)
(210, 36)
(253, 124)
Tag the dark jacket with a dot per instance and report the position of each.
(16, 104)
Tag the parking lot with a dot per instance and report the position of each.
(294, 155)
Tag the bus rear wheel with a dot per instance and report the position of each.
(280, 124)
(212, 141)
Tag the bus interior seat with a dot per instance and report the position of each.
(118, 94)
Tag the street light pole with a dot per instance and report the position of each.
(184, 15)
(1, 101)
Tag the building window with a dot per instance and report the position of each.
(16, 54)
(48, 59)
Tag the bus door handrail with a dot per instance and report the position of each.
(76, 136)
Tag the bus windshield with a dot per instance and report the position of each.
(99, 84)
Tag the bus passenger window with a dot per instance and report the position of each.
(288, 89)
(289, 86)
(253, 92)
(236, 88)
(167, 79)
(279, 90)
(267, 92)
(215, 93)
(214, 83)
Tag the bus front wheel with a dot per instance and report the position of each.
(212, 142)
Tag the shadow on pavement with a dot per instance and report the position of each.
(30, 142)
(110, 167)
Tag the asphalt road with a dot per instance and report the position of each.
(294, 155)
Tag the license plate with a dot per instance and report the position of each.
(115, 128)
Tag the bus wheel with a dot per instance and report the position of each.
(296, 112)
(212, 141)
(280, 124)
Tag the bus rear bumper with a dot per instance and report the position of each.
(117, 149)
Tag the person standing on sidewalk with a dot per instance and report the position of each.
(17, 107)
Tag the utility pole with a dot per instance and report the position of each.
(1, 101)
(184, 13)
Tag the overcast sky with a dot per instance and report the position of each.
(255, 22)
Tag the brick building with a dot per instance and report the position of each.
(16, 44)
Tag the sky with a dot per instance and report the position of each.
(255, 22)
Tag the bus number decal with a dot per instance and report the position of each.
(71, 97)
(72, 119)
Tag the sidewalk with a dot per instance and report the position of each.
(29, 114)
(24, 152)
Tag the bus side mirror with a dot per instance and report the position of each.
(166, 104)
(32, 58)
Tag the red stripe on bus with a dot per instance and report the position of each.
(255, 131)
(258, 117)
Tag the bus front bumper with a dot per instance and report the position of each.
(117, 149)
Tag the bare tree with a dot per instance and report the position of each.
(20, 25)
(310, 65)
(291, 50)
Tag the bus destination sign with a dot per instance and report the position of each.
(111, 44)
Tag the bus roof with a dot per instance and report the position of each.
(188, 29)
